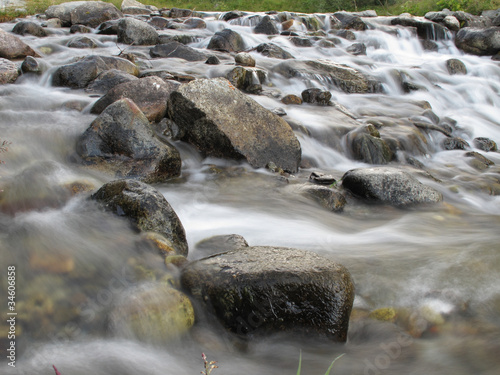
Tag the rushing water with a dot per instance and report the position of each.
(437, 266)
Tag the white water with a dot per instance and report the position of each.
(439, 258)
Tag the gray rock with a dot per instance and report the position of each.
(136, 32)
(74, 29)
(451, 23)
(178, 50)
(221, 244)
(11, 47)
(159, 23)
(366, 145)
(247, 79)
(226, 40)
(93, 13)
(108, 28)
(438, 16)
(485, 144)
(180, 13)
(300, 41)
(232, 15)
(425, 30)
(83, 42)
(274, 51)
(244, 130)
(329, 198)
(455, 143)
(32, 65)
(109, 79)
(121, 142)
(28, 27)
(389, 186)
(350, 21)
(79, 74)
(455, 66)
(145, 207)
(357, 49)
(266, 26)
(8, 71)
(316, 96)
(479, 41)
(63, 11)
(347, 79)
(469, 20)
(212, 60)
(262, 290)
(149, 93)
(346, 34)
(195, 23)
(244, 59)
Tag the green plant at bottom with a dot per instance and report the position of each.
(327, 371)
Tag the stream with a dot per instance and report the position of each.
(436, 267)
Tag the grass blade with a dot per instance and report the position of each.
(329, 368)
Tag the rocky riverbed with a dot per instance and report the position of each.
(251, 185)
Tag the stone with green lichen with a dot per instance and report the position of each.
(385, 314)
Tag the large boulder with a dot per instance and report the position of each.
(350, 21)
(266, 26)
(425, 29)
(179, 50)
(29, 27)
(11, 47)
(145, 207)
(366, 145)
(135, 7)
(109, 79)
(136, 32)
(247, 79)
(274, 51)
(242, 130)
(149, 93)
(341, 76)
(227, 40)
(93, 13)
(389, 186)
(80, 73)
(120, 141)
(8, 71)
(63, 11)
(479, 41)
(263, 290)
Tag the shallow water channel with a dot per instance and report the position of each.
(437, 268)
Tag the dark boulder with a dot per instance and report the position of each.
(244, 130)
(93, 13)
(28, 27)
(8, 71)
(247, 79)
(108, 28)
(425, 30)
(212, 60)
(366, 145)
(266, 26)
(75, 29)
(316, 96)
(136, 32)
(455, 143)
(180, 13)
(145, 207)
(232, 15)
(300, 41)
(350, 21)
(63, 11)
(159, 23)
(121, 142)
(291, 99)
(274, 51)
(357, 49)
(455, 66)
(195, 23)
(330, 198)
(479, 41)
(244, 59)
(261, 290)
(485, 144)
(221, 244)
(109, 79)
(226, 40)
(11, 47)
(389, 186)
(32, 65)
(83, 42)
(149, 93)
(179, 50)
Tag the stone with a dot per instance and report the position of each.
(159, 23)
(256, 291)
(451, 23)
(11, 47)
(322, 179)
(54, 23)
(350, 21)
(108, 28)
(136, 7)
(366, 145)
(154, 313)
(345, 78)
(180, 13)
(479, 161)
(220, 244)
(485, 144)
(455, 66)
(150, 94)
(212, 60)
(74, 29)
(247, 79)
(63, 11)
(291, 99)
(93, 13)
(8, 71)
(32, 65)
(479, 42)
(316, 96)
(80, 73)
(389, 186)
(82, 42)
(244, 130)
(300, 41)
(455, 143)
(226, 40)
(107, 80)
(232, 15)
(274, 51)
(357, 49)
(425, 30)
(195, 23)
(178, 50)
(145, 208)
(244, 59)
(329, 198)
(266, 26)
(121, 142)
(345, 34)
(136, 32)
(30, 28)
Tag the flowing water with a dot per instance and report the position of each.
(437, 267)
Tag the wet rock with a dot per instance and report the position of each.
(345, 78)
(327, 197)
(195, 23)
(323, 43)
(357, 49)
(291, 99)
(11, 47)
(150, 94)
(226, 40)
(247, 79)
(58, 263)
(212, 60)
(63, 11)
(154, 313)
(221, 244)
(135, 7)
(366, 145)
(280, 112)
(145, 207)
(30, 28)
(469, 20)
(455, 143)
(264, 290)
(301, 42)
(74, 29)
(425, 30)
(136, 32)
(350, 21)
(176, 49)
(389, 186)
(346, 34)
(244, 59)
(429, 45)
(232, 15)
(159, 23)
(82, 42)
(93, 13)
(180, 13)
(8, 71)
(80, 73)
(384, 314)
(485, 144)
(455, 66)
(478, 161)
(244, 130)
(274, 51)
(266, 26)
(109, 79)
(108, 28)
(438, 16)
(120, 142)
(452, 23)
(479, 41)
(32, 65)
(322, 179)
(316, 96)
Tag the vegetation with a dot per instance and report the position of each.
(4, 147)
(327, 371)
